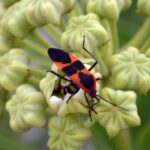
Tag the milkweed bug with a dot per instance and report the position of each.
(79, 76)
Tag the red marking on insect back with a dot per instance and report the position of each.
(77, 80)
(61, 65)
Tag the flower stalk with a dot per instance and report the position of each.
(140, 36)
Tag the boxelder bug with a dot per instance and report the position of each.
(79, 76)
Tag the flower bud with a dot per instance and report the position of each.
(14, 23)
(130, 70)
(47, 84)
(84, 25)
(108, 9)
(67, 133)
(120, 115)
(26, 108)
(43, 12)
(143, 7)
(13, 69)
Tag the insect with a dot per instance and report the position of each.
(79, 76)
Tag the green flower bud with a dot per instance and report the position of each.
(88, 25)
(130, 70)
(14, 23)
(67, 133)
(47, 84)
(143, 7)
(115, 118)
(26, 108)
(43, 12)
(108, 9)
(13, 69)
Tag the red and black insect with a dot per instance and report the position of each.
(79, 75)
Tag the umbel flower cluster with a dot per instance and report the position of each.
(34, 97)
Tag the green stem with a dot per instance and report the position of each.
(123, 141)
(42, 62)
(36, 76)
(33, 80)
(55, 33)
(102, 65)
(33, 46)
(36, 58)
(114, 35)
(49, 112)
(146, 45)
(76, 11)
(41, 40)
(140, 36)
(63, 24)
(38, 73)
(107, 49)
(88, 123)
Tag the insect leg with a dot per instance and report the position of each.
(97, 79)
(70, 98)
(98, 100)
(58, 75)
(83, 46)
(69, 91)
(90, 106)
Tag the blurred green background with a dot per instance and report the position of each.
(130, 139)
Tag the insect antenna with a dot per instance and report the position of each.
(98, 98)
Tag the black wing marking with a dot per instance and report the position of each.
(86, 80)
(78, 65)
(59, 55)
(73, 68)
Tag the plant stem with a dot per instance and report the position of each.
(41, 62)
(62, 24)
(53, 32)
(140, 36)
(146, 45)
(38, 73)
(76, 11)
(41, 40)
(107, 49)
(114, 35)
(36, 76)
(33, 80)
(123, 141)
(34, 47)
(103, 68)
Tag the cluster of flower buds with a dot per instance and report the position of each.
(31, 94)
